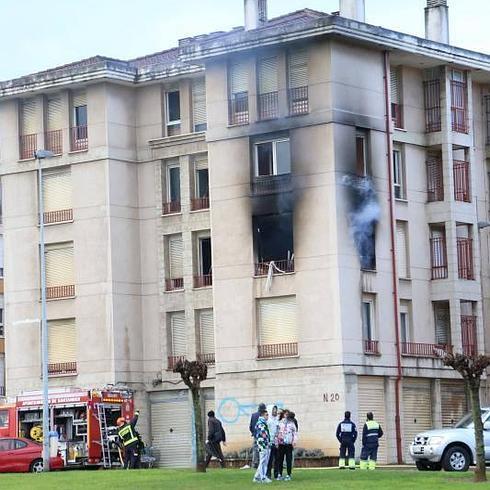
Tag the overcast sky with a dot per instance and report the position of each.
(39, 34)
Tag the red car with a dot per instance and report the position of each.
(22, 455)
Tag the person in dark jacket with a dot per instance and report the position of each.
(253, 422)
(347, 435)
(129, 439)
(371, 434)
(216, 436)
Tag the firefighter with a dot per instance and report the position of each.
(371, 434)
(347, 435)
(129, 438)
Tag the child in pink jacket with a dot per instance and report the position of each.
(285, 441)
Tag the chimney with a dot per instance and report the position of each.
(437, 21)
(353, 9)
(255, 13)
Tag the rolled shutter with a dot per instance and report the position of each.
(401, 248)
(57, 190)
(454, 403)
(29, 116)
(206, 325)
(395, 85)
(277, 320)
(238, 78)
(62, 341)
(175, 245)
(59, 265)
(298, 69)
(199, 103)
(54, 109)
(201, 163)
(443, 323)
(267, 75)
(178, 334)
(79, 98)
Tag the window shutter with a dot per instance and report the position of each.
(59, 265)
(401, 248)
(29, 116)
(201, 163)
(62, 341)
(175, 245)
(199, 103)
(277, 320)
(57, 190)
(238, 78)
(54, 108)
(395, 85)
(442, 321)
(206, 325)
(79, 98)
(178, 334)
(298, 69)
(267, 75)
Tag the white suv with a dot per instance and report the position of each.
(451, 449)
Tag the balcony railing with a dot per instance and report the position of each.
(397, 115)
(53, 141)
(60, 292)
(62, 368)
(270, 351)
(417, 349)
(174, 284)
(459, 116)
(298, 101)
(198, 203)
(171, 207)
(268, 106)
(203, 281)
(465, 258)
(468, 335)
(79, 138)
(173, 360)
(27, 146)
(208, 358)
(438, 257)
(278, 267)
(371, 347)
(432, 102)
(271, 184)
(461, 172)
(435, 181)
(61, 216)
(239, 108)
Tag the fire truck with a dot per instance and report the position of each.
(83, 421)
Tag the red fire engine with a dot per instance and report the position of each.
(84, 421)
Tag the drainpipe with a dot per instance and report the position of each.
(389, 162)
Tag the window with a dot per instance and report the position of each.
(268, 88)
(461, 176)
(238, 88)
(177, 348)
(172, 188)
(435, 179)
(399, 185)
(1, 256)
(60, 274)
(464, 247)
(206, 335)
(438, 252)
(362, 153)
(402, 249)
(2, 328)
(297, 64)
(4, 420)
(272, 158)
(175, 263)
(29, 116)
(368, 318)
(204, 262)
(18, 444)
(405, 324)
(172, 104)
(54, 124)
(57, 195)
(79, 134)
(277, 327)
(201, 184)
(396, 100)
(442, 321)
(468, 328)
(459, 101)
(199, 117)
(6, 445)
(62, 347)
(432, 99)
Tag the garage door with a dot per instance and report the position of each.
(417, 412)
(454, 403)
(371, 396)
(171, 429)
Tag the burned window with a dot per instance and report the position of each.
(273, 237)
(272, 158)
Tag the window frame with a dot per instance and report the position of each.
(362, 134)
(371, 301)
(196, 183)
(406, 329)
(168, 121)
(168, 167)
(399, 177)
(200, 260)
(274, 142)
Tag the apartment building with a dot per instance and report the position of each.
(300, 203)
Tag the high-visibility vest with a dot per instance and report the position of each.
(127, 435)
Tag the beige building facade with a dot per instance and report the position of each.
(300, 204)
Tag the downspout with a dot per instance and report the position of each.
(389, 162)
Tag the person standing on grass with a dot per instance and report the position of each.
(216, 436)
(273, 422)
(129, 440)
(371, 434)
(263, 443)
(347, 435)
(286, 438)
(253, 422)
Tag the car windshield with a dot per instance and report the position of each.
(467, 421)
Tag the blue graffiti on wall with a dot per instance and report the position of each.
(230, 409)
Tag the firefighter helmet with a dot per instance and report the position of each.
(120, 421)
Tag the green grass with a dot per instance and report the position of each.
(214, 479)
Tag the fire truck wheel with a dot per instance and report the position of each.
(36, 466)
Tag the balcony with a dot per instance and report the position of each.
(459, 116)
(198, 203)
(271, 184)
(272, 351)
(61, 216)
(397, 115)
(416, 349)
(60, 292)
(435, 181)
(468, 335)
(371, 347)
(79, 138)
(465, 258)
(53, 141)
(432, 103)
(203, 281)
(268, 106)
(172, 207)
(173, 360)
(27, 146)
(62, 368)
(438, 257)
(239, 109)
(461, 173)
(298, 101)
(277, 266)
(174, 284)
(208, 358)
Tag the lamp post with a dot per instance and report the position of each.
(40, 156)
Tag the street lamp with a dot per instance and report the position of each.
(41, 155)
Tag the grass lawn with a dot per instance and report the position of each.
(216, 479)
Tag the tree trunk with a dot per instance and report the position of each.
(199, 434)
(480, 470)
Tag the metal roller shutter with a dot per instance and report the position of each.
(298, 69)
(401, 248)
(238, 78)
(201, 162)
(176, 246)
(395, 85)
(277, 320)
(54, 109)
(62, 342)
(417, 410)
(171, 429)
(29, 116)
(178, 334)
(57, 190)
(454, 403)
(59, 265)
(371, 398)
(199, 103)
(79, 98)
(206, 331)
(267, 75)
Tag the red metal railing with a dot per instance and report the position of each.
(60, 216)
(271, 184)
(432, 102)
(458, 107)
(438, 257)
(298, 101)
(208, 358)
(371, 347)
(59, 292)
(270, 351)
(468, 335)
(418, 349)
(239, 108)
(465, 258)
(61, 368)
(173, 360)
(268, 105)
(435, 180)
(397, 115)
(171, 207)
(279, 267)
(199, 203)
(53, 141)
(27, 146)
(79, 138)
(461, 172)
(173, 284)
(203, 281)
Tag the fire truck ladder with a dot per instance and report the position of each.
(104, 436)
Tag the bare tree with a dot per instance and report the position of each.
(471, 369)
(193, 373)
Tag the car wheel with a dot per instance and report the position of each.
(456, 458)
(422, 465)
(36, 466)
